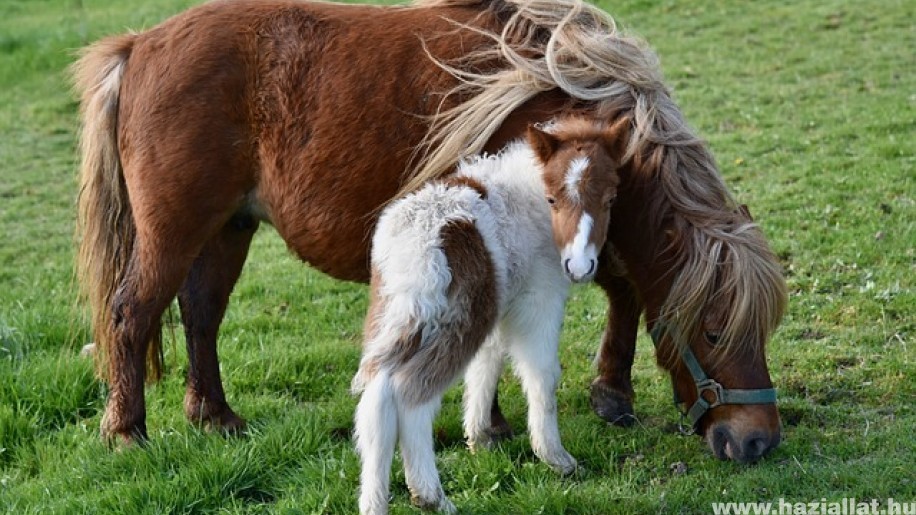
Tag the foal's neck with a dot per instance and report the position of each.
(513, 174)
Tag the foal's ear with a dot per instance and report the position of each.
(617, 136)
(745, 211)
(544, 143)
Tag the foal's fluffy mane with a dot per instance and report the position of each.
(576, 47)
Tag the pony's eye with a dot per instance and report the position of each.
(611, 201)
(552, 201)
(712, 337)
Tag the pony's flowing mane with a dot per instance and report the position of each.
(576, 47)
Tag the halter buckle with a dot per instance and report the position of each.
(711, 385)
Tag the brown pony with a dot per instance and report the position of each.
(237, 112)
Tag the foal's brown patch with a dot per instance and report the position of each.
(474, 305)
(469, 182)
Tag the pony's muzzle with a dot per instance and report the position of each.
(746, 448)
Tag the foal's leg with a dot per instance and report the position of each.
(376, 429)
(415, 430)
(480, 384)
(203, 299)
(612, 390)
(532, 330)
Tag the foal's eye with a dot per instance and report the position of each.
(552, 201)
(712, 337)
(610, 201)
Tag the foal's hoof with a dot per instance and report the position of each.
(499, 429)
(439, 504)
(611, 405)
(561, 462)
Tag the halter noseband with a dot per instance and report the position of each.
(706, 384)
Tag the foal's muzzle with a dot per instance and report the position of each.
(580, 271)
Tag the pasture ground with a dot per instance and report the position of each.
(810, 108)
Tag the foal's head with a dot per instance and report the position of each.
(580, 159)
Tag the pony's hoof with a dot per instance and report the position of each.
(121, 440)
(228, 424)
(215, 417)
(611, 405)
(439, 504)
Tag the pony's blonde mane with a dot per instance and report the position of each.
(543, 45)
(577, 48)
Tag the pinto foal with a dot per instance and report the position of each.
(466, 271)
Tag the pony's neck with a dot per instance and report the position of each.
(639, 240)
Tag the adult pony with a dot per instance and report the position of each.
(237, 112)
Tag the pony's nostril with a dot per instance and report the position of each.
(566, 265)
(591, 266)
(754, 447)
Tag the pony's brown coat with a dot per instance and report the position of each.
(275, 109)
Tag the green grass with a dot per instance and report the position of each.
(810, 108)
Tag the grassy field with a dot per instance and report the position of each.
(810, 108)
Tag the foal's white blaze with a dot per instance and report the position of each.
(574, 174)
(581, 257)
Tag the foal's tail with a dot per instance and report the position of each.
(105, 225)
(434, 300)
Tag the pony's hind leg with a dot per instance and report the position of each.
(203, 298)
(146, 289)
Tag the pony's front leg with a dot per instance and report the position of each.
(415, 429)
(376, 429)
(532, 330)
(480, 382)
(612, 391)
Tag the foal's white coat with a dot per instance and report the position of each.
(515, 224)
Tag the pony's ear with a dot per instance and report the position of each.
(544, 143)
(617, 136)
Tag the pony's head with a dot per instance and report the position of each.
(722, 306)
(712, 290)
(579, 159)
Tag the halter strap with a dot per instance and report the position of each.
(705, 384)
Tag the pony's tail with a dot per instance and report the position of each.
(105, 228)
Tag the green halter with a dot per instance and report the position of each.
(705, 384)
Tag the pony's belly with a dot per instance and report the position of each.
(331, 235)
